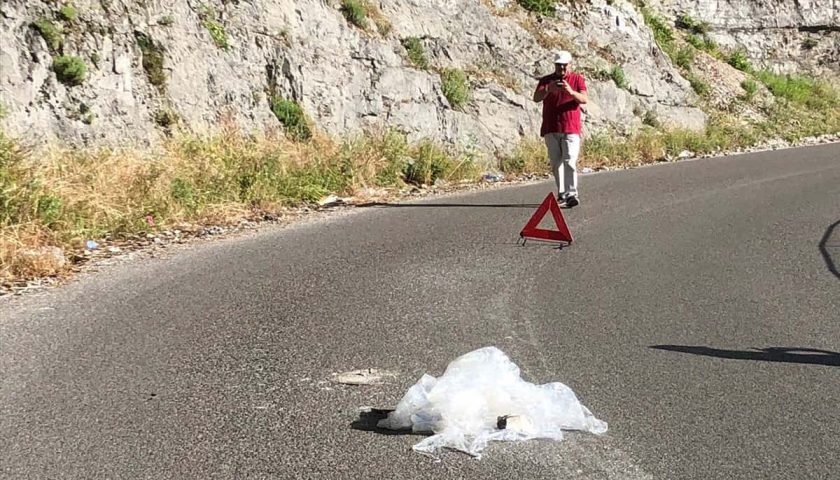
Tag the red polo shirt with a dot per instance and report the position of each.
(561, 112)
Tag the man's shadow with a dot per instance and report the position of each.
(809, 356)
(447, 205)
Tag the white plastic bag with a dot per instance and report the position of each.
(462, 407)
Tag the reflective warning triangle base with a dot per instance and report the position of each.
(532, 230)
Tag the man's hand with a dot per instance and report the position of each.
(542, 92)
(568, 88)
(579, 97)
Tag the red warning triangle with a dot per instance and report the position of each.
(531, 230)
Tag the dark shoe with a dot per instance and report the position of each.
(572, 201)
(561, 198)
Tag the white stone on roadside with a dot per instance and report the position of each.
(329, 200)
(366, 376)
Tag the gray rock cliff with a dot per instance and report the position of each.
(219, 61)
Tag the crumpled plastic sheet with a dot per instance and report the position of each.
(461, 408)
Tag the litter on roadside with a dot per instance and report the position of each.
(482, 398)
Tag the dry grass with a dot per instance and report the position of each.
(383, 25)
(63, 197)
(650, 145)
(529, 156)
(505, 11)
(550, 40)
(494, 74)
(25, 252)
(52, 201)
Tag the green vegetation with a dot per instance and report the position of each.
(662, 33)
(543, 7)
(601, 74)
(167, 21)
(416, 54)
(655, 144)
(358, 12)
(665, 37)
(69, 69)
(456, 87)
(686, 22)
(166, 118)
(431, 162)
(703, 43)
(739, 60)
(699, 85)
(695, 41)
(68, 13)
(355, 12)
(292, 117)
(286, 36)
(66, 196)
(616, 74)
(49, 32)
(63, 199)
(750, 88)
(72, 195)
(801, 90)
(530, 156)
(217, 32)
(650, 119)
(684, 57)
(153, 59)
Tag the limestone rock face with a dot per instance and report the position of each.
(786, 36)
(154, 66)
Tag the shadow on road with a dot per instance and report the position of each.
(448, 205)
(367, 423)
(809, 356)
(830, 262)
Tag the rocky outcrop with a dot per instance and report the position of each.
(782, 35)
(155, 66)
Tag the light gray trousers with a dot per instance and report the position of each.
(563, 151)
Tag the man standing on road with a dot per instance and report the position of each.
(562, 93)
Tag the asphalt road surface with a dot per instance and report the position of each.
(697, 312)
